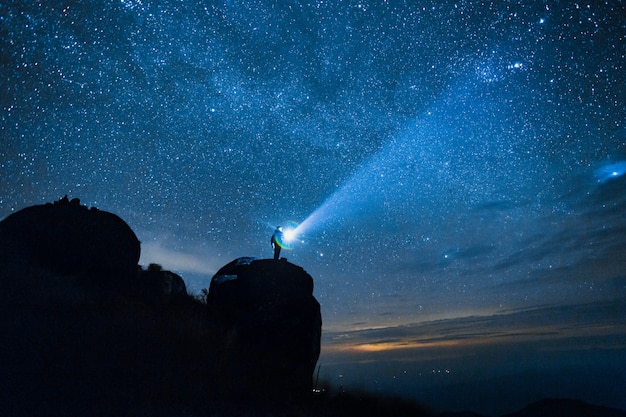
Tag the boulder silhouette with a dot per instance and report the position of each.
(70, 238)
(156, 282)
(85, 330)
(268, 328)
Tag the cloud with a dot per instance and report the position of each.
(178, 261)
(553, 322)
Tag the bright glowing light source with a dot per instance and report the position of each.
(288, 236)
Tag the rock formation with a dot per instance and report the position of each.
(156, 282)
(268, 328)
(70, 238)
(87, 330)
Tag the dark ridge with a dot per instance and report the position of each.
(561, 407)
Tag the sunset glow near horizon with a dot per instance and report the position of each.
(454, 170)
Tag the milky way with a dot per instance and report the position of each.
(446, 159)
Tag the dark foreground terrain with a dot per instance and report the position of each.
(87, 331)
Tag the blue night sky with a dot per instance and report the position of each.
(457, 168)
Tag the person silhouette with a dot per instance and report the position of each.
(276, 240)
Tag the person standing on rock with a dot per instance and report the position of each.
(276, 240)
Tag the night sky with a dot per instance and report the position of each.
(457, 168)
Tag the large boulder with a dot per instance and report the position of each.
(86, 331)
(156, 282)
(70, 238)
(268, 328)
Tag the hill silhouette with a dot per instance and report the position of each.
(88, 331)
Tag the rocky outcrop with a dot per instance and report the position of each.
(156, 282)
(268, 328)
(84, 329)
(87, 330)
(70, 238)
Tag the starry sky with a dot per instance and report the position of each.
(456, 167)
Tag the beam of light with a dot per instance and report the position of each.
(610, 171)
(376, 182)
(419, 165)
